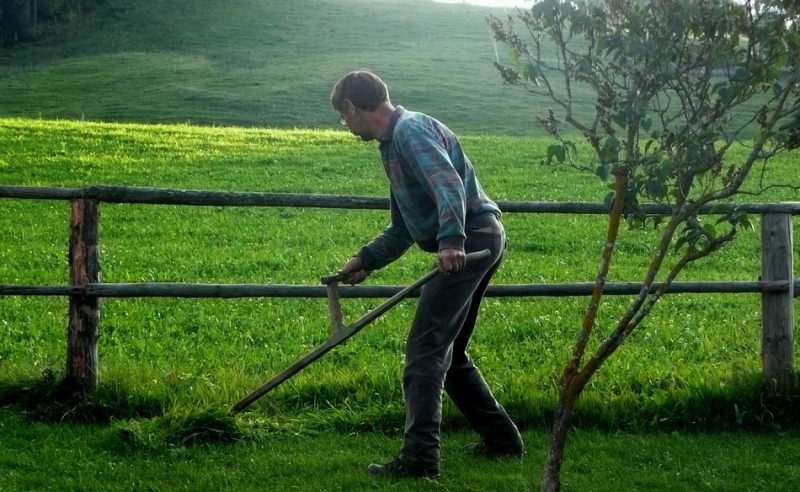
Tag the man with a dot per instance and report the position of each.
(437, 203)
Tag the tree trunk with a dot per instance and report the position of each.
(573, 380)
(551, 480)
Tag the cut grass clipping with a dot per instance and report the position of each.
(49, 399)
(185, 429)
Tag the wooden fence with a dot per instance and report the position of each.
(777, 284)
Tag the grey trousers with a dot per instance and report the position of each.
(436, 356)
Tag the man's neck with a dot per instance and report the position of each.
(380, 118)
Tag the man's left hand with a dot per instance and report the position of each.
(451, 260)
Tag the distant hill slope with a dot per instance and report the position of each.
(263, 63)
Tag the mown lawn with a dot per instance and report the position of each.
(81, 457)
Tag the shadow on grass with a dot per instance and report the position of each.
(52, 399)
(143, 421)
(152, 422)
(744, 403)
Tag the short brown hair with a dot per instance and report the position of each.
(363, 88)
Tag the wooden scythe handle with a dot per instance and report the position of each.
(340, 336)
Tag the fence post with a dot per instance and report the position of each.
(84, 311)
(777, 308)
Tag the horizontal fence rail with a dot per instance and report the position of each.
(160, 196)
(188, 290)
(777, 284)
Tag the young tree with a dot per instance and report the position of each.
(676, 85)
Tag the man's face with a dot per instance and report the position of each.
(354, 120)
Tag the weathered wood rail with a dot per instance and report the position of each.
(777, 284)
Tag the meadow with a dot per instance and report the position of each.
(261, 62)
(233, 96)
(164, 362)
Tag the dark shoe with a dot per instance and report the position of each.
(487, 451)
(398, 469)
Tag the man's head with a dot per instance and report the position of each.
(361, 88)
(362, 100)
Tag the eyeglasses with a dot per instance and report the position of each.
(347, 107)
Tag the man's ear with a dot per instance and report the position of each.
(348, 106)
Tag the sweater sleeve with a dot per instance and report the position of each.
(390, 244)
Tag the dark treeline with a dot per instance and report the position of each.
(22, 20)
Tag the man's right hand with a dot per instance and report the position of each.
(354, 271)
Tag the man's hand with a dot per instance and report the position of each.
(451, 260)
(354, 271)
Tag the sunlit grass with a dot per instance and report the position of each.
(170, 368)
(206, 353)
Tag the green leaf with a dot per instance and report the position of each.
(531, 72)
(656, 188)
(631, 197)
(610, 149)
(620, 118)
(726, 94)
(584, 67)
(556, 151)
(777, 89)
(718, 86)
(639, 48)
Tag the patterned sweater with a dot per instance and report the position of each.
(433, 189)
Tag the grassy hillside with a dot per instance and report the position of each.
(262, 62)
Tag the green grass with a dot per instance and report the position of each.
(262, 62)
(270, 63)
(306, 460)
(169, 367)
(679, 407)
